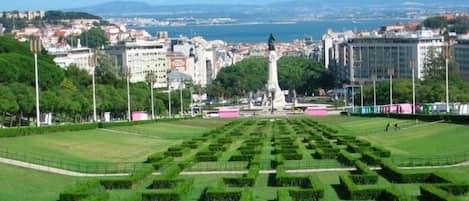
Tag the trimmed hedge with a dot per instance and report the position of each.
(283, 195)
(24, 131)
(394, 174)
(83, 190)
(363, 174)
(220, 194)
(176, 193)
(354, 192)
(207, 156)
(247, 180)
(127, 182)
(443, 192)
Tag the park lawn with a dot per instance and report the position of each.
(18, 184)
(429, 139)
(205, 123)
(178, 130)
(123, 144)
(423, 138)
(362, 125)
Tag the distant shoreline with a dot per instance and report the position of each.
(280, 22)
(258, 32)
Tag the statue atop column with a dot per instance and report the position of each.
(271, 43)
(273, 88)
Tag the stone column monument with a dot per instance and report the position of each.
(276, 94)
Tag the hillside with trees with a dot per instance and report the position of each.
(67, 93)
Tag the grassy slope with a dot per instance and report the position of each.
(413, 139)
(124, 144)
(18, 184)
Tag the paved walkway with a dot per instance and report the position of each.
(237, 172)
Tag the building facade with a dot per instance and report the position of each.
(461, 53)
(80, 57)
(362, 57)
(140, 58)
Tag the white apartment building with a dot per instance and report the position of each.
(65, 57)
(461, 53)
(361, 57)
(330, 46)
(141, 58)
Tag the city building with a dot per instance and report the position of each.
(461, 53)
(361, 57)
(2, 29)
(27, 15)
(330, 46)
(66, 56)
(141, 58)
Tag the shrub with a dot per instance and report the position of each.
(370, 158)
(219, 194)
(241, 157)
(355, 192)
(283, 179)
(83, 190)
(175, 193)
(283, 195)
(393, 174)
(381, 152)
(345, 158)
(292, 156)
(127, 182)
(14, 132)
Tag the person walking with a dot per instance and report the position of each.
(387, 127)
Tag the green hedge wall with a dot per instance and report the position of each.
(83, 190)
(15, 132)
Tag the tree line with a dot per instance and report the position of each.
(431, 89)
(67, 93)
(296, 74)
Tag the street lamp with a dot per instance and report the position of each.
(413, 66)
(180, 97)
(374, 76)
(390, 73)
(35, 46)
(447, 55)
(169, 98)
(128, 72)
(93, 63)
(151, 79)
(362, 82)
(353, 96)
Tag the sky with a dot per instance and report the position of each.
(66, 4)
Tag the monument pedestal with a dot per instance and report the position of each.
(273, 87)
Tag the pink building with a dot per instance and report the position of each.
(226, 113)
(316, 111)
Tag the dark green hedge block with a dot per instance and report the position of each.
(355, 192)
(241, 157)
(14, 132)
(118, 183)
(83, 190)
(217, 194)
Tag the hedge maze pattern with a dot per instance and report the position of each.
(256, 147)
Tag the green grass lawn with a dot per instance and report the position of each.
(18, 184)
(124, 144)
(422, 138)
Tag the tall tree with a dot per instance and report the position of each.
(94, 38)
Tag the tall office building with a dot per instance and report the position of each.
(461, 53)
(361, 57)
